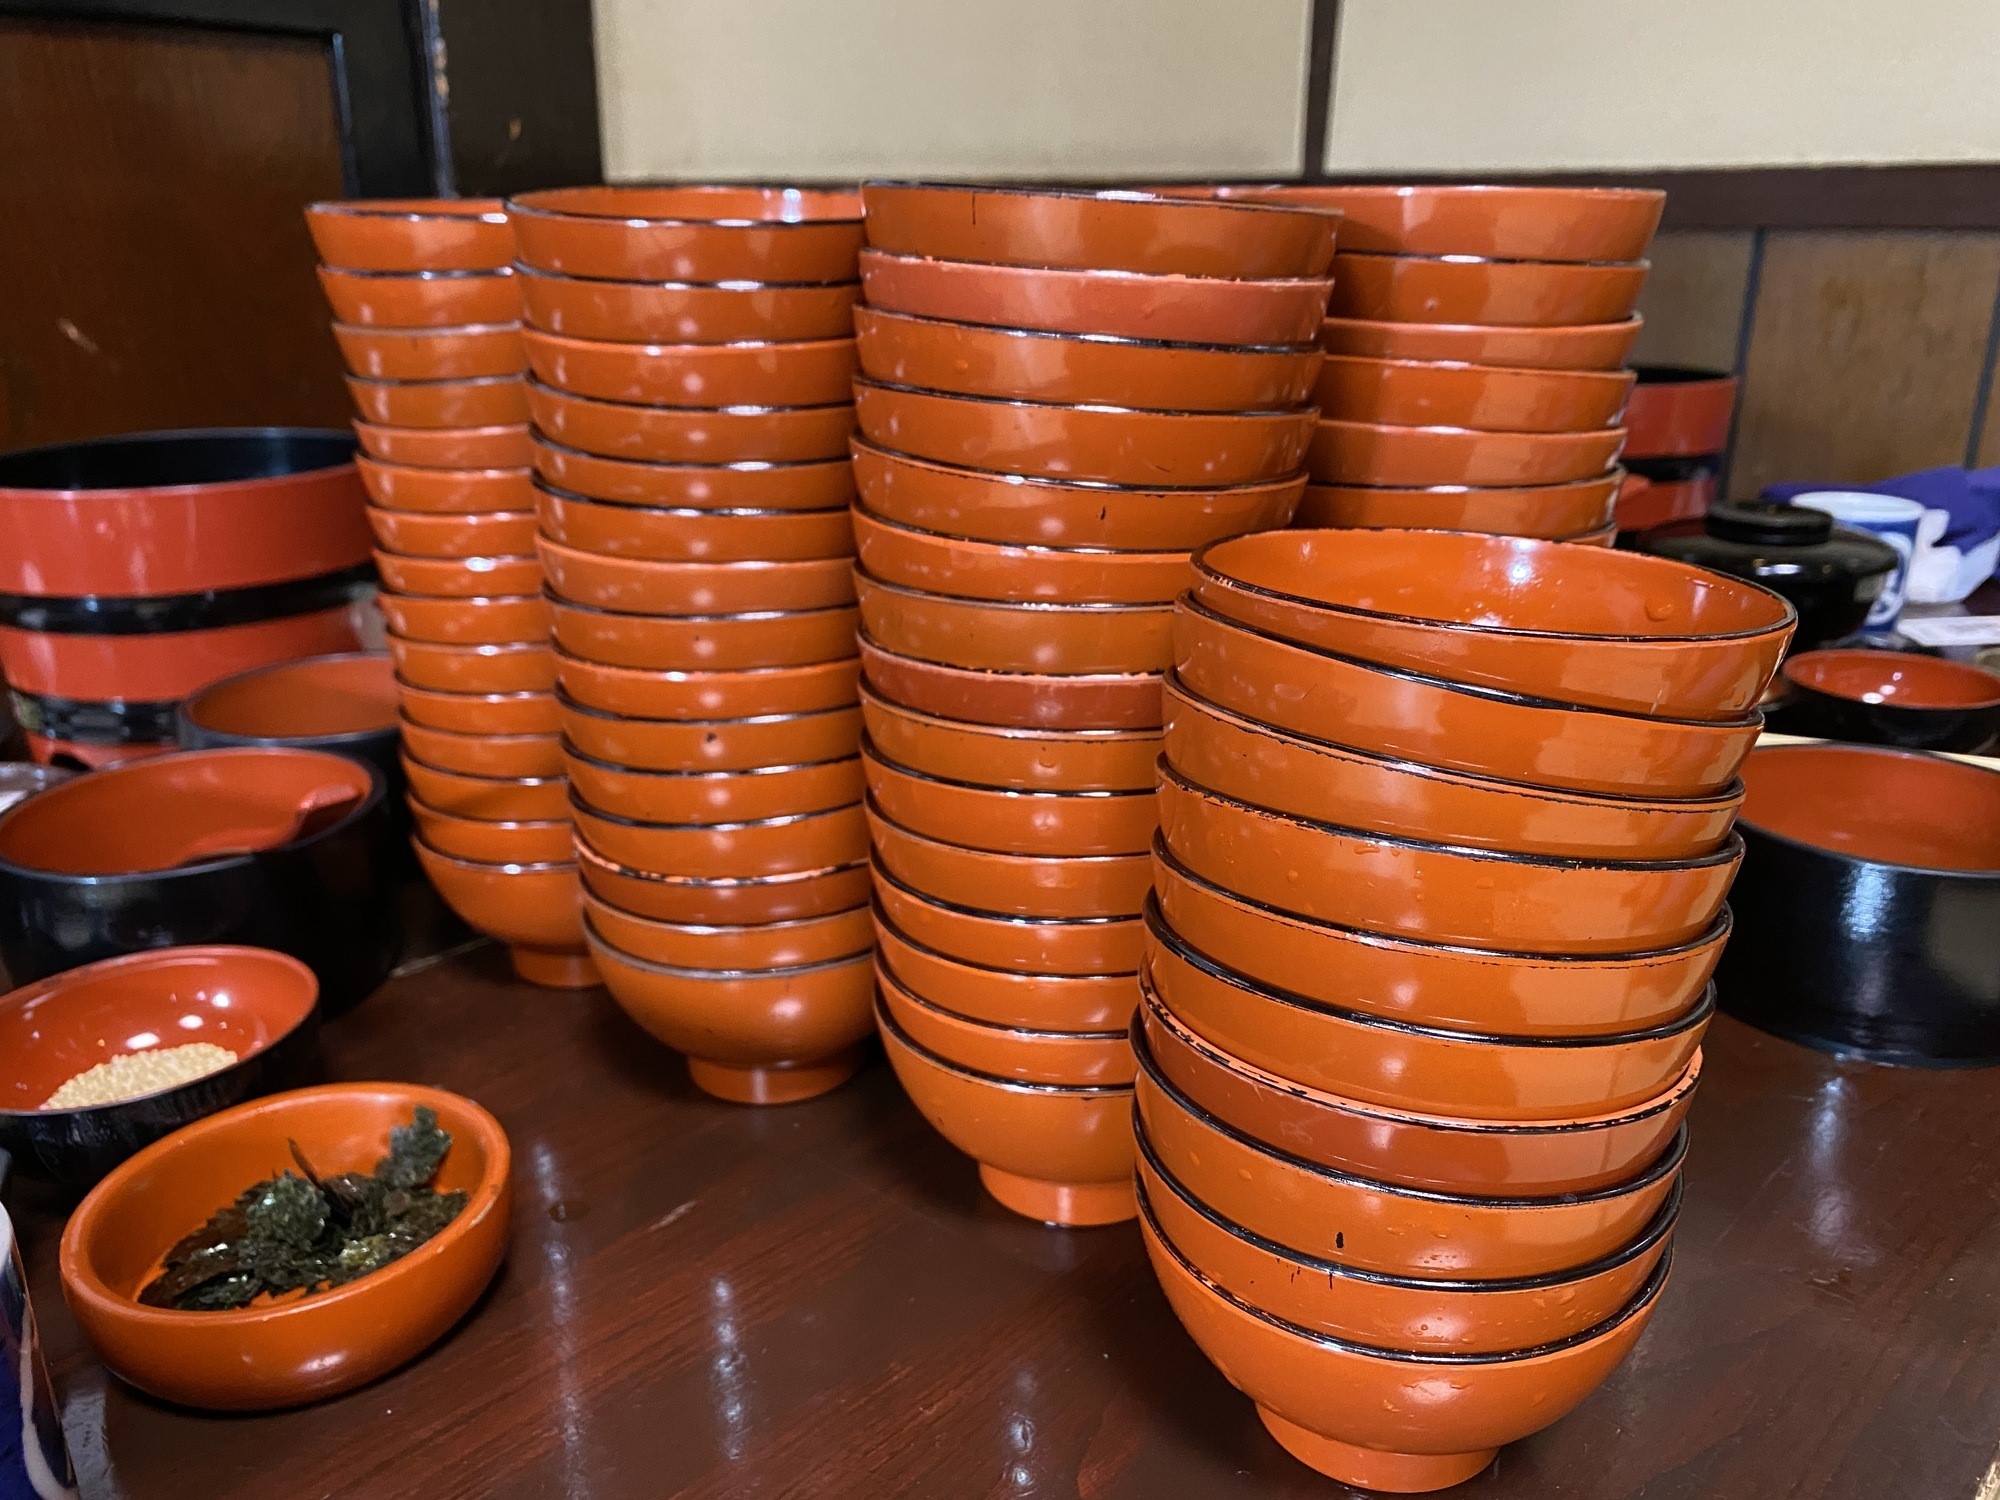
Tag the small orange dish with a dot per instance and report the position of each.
(292, 1350)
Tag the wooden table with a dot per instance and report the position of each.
(705, 1300)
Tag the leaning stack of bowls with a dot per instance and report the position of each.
(692, 351)
(1062, 395)
(1475, 346)
(138, 570)
(427, 313)
(1445, 836)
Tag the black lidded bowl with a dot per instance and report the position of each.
(1868, 905)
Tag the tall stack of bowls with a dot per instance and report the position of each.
(1474, 344)
(138, 570)
(1445, 836)
(427, 312)
(692, 351)
(1062, 395)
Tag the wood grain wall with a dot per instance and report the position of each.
(1863, 353)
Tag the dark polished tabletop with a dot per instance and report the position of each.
(707, 1300)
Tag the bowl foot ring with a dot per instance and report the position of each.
(553, 969)
(1069, 1204)
(779, 1085)
(1371, 1468)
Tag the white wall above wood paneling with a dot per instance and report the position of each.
(1451, 86)
(819, 89)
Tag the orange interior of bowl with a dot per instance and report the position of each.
(303, 699)
(1895, 679)
(144, 1208)
(243, 999)
(1890, 806)
(1508, 583)
(152, 815)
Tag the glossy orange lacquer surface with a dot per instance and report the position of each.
(473, 352)
(1057, 760)
(454, 534)
(700, 234)
(446, 491)
(1411, 716)
(1055, 1152)
(443, 666)
(428, 299)
(952, 565)
(499, 446)
(1548, 510)
(1617, 630)
(1435, 1153)
(1062, 513)
(1287, 773)
(1345, 452)
(1528, 223)
(704, 643)
(650, 693)
(1370, 1419)
(1437, 984)
(297, 1349)
(1109, 444)
(1429, 289)
(698, 744)
(412, 234)
(814, 373)
(1032, 365)
(314, 697)
(1039, 636)
(1416, 393)
(642, 586)
(1460, 1315)
(1012, 821)
(1011, 1052)
(663, 535)
(1018, 885)
(729, 901)
(244, 999)
(1121, 304)
(678, 435)
(493, 401)
(1576, 346)
(1102, 700)
(1299, 1037)
(998, 940)
(1078, 228)
(1005, 997)
(684, 313)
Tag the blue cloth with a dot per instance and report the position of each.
(1971, 497)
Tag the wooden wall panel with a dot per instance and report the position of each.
(1693, 302)
(1865, 353)
(1989, 430)
(155, 269)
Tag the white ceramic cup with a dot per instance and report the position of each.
(1889, 517)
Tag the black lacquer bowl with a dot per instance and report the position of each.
(1868, 906)
(263, 1006)
(270, 848)
(1890, 698)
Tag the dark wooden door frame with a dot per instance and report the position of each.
(391, 122)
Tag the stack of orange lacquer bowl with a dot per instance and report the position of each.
(1474, 378)
(692, 352)
(1445, 836)
(1061, 395)
(427, 314)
